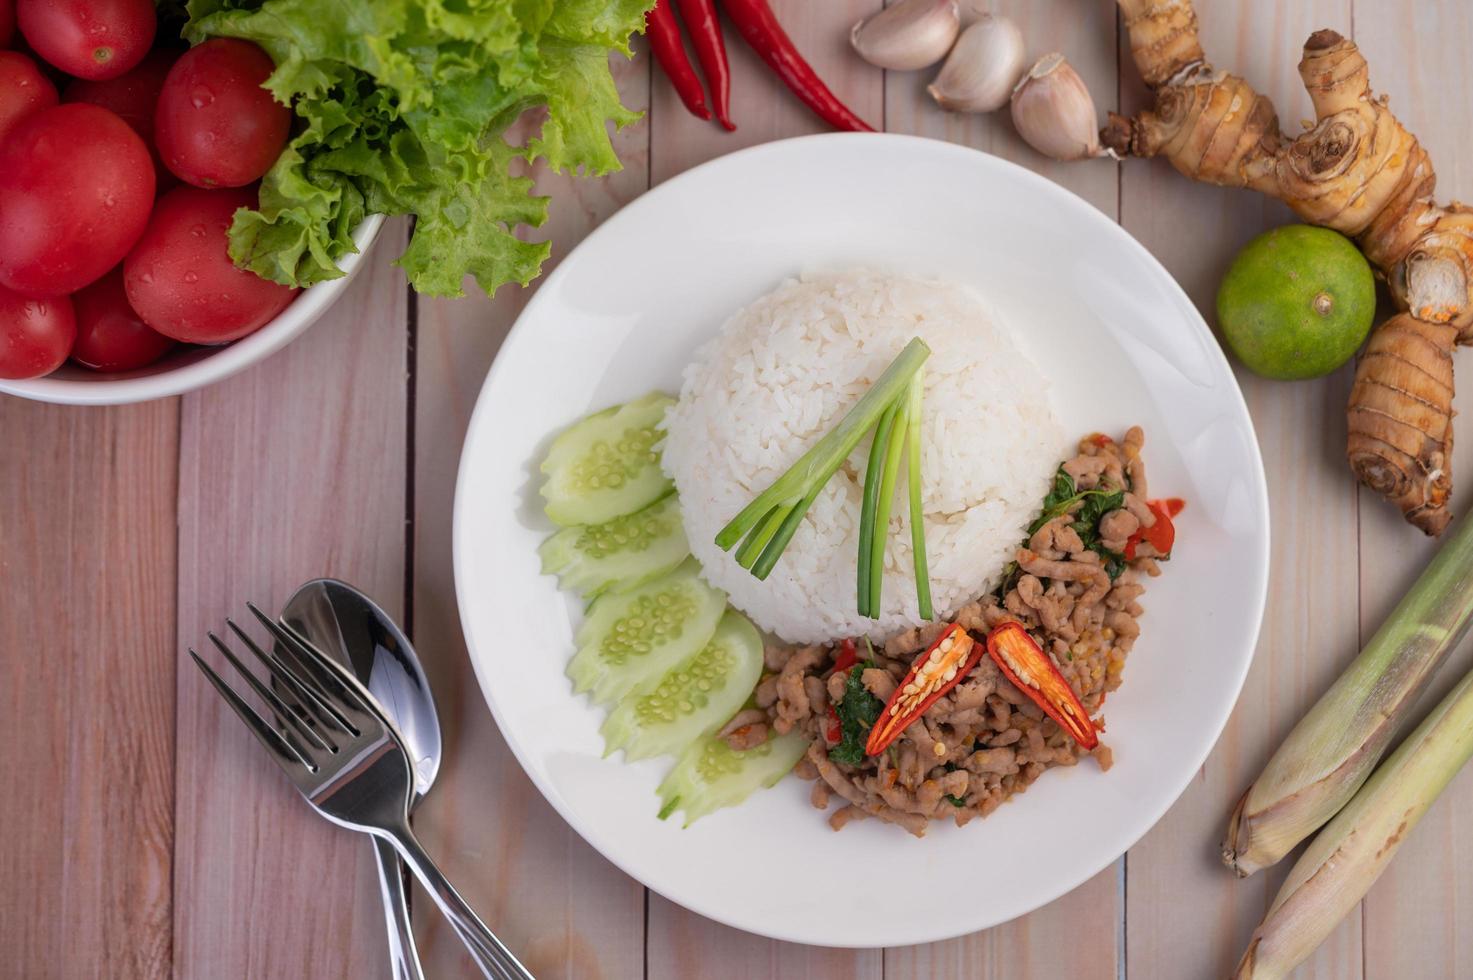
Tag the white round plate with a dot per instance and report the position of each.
(1122, 344)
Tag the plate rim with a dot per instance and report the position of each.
(1061, 194)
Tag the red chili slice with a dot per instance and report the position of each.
(936, 671)
(1162, 534)
(1023, 662)
(848, 657)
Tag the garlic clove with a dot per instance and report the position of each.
(908, 35)
(1054, 113)
(983, 67)
(972, 11)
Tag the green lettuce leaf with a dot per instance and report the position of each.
(407, 107)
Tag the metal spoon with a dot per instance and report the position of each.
(350, 627)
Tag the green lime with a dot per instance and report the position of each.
(1297, 302)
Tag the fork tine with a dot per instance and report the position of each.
(304, 690)
(315, 660)
(266, 694)
(276, 746)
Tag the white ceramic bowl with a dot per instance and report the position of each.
(194, 367)
(1122, 344)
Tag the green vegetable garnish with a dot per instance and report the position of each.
(1097, 503)
(774, 515)
(917, 514)
(956, 801)
(1093, 505)
(868, 502)
(899, 429)
(894, 446)
(1087, 525)
(858, 711)
(1059, 497)
(785, 532)
(1062, 496)
(407, 107)
(892, 407)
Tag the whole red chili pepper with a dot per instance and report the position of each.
(705, 33)
(669, 50)
(760, 29)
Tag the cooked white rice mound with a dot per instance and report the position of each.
(785, 369)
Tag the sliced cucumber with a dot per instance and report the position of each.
(619, 554)
(608, 464)
(711, 775)
(632, 638)
(693, 699)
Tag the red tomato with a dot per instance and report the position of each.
(216, 126)
(23, 89)
(180, 278)
(88, 38)
(133, 95)
(76, 185)
(110, 336)
(7, 22)
(35, 334)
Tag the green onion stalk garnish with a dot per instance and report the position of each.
(892, 409)
(894, 446)
(913, 479)
(869, 502)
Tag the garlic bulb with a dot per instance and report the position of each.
(982, 68)
(1053, 111)
(908, 35)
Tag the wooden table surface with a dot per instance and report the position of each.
(143, 834)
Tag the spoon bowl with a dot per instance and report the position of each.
(350, 627)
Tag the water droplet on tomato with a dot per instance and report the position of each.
(201, 97)
(190, 277)
(199, 231)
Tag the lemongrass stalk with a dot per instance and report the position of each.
(868, 502)
(1332, 750)
(894, 446)
(913, 479)
(1342, 863)
(820, 462)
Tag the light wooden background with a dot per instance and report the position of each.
(142, 833)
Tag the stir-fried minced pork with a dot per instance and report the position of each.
(984, 740)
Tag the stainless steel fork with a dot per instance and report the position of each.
(333, 741)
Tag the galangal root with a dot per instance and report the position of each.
(1358, 171)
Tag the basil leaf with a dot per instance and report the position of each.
(858, 711)
(1060, 497)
